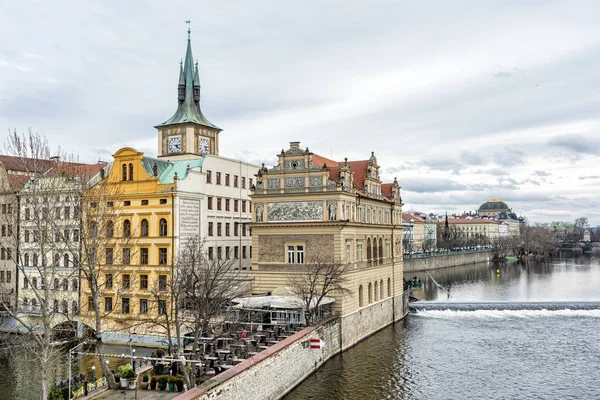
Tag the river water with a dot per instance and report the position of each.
(511, 354)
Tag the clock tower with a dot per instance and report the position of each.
(188, 134)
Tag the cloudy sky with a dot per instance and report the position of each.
(462, 101)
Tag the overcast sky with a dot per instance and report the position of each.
(462, 100)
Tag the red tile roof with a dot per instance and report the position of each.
(24, 164)
(359, 168)
(320, 161)
(471, 221)
(17, 181)
(386, 189)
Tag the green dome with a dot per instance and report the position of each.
(494, 205)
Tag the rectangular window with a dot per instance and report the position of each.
(300, 254)
(209, 203)
(66, 235)
(208, 176)
(8, 276)
(218, 178)
(219, 253)
(9, 254)
(359, 254)
(236, 205)
(126, 256)
(226, 179)
(57, 212)
(244, 252)
(108, 304)
(243, 205)
(143, 306)
(250, 251)
(162, 282)
(125, 305)
(291, 252)
(243, 230)
(235, 228)
(76, 235)
(235, 181)
(143, 256)
(126, 281)
(127, 203)
(347, 253)
(1, 276)
(218, 203)
(243, 182)
(227, 252)
(144, 282)
(162, 307)
(144, 202)
(210, 229)
(236, 252)
(108, 281)
(295, 254)
(226, 204)
(210, 253)
(90, 303)
(219, 228)
(227, 229)
(163, 201)
(250, 182)
(109, 256)
(162, 256)
(110, 204)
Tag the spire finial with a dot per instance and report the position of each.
(188, 22)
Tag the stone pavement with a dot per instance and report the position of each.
(130, 395)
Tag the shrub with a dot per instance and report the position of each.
(126, 371)
(200, 381)
(160, 352)
(172, 379)
(145, 378)
(153, 380)
(163, 379)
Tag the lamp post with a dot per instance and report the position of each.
(70, 362)
(122, 358)
(93, 374)
(133, 359)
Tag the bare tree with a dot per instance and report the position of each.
(319, 277)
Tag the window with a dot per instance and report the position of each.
(250, 251)
(219, 228)
(162, 307)
(109, 256)
(124, 168)
(360, 296)
(74, 308)
(144, 229)
(359, 252)
(347, 253)
(144, 282)
(295, 254)
(126, 228)
(26, 259)
(110, 229)
(162, 230)
(162, 282)
(126, 256)
(1, 276)
(143, 306)
(244, 255)
(219, 253)
(218, 178)
(243, 182)
(91, 303)
(208, 176)
(126, 281)
(108, 304)
(210, 253)
(243, 205)
(227, 229)
(243, 230)
(130, 172)
(381, 289)
(227, 252)
(110, 204)
(126, 203)
(57, 212)
(56, 260)
(125, 305)
(66, 260)
(26, 236)
(144, 256)
(236, 252)
(226, 179)
(235, 228)
(76, 235)
(74, 284)
(226, 204)
(27, 213)
(235, 181)
(370, 293)
(209, 203)
(210, 229)
(162, 256)
(235, 205)
(108, 281)
(376, 291)
(163, 201)
(249, 182)
(144, 202)
(218, 203)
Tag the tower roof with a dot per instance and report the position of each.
(188, 107)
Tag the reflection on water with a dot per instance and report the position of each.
(486, 354)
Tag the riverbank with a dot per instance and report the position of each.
(445, 260)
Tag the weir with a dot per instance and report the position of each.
(503, 305)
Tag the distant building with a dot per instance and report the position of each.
(493, 208)
(586, 236)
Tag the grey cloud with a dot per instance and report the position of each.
(541, 173)
(430, 185)
(492, 171)
(503, 74)
(589, 177)
(577, 143)
(510, 157)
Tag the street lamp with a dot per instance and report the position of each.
(133, 359)
(93, 374)
(70, 362)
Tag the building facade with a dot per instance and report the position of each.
(308, 207)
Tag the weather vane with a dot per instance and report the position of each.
(188, 22)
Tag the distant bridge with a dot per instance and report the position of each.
(503, 305)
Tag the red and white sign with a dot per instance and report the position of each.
(316, 344)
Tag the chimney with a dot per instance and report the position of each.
(55, 158)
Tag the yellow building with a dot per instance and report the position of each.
(472, 229)
(309, 206)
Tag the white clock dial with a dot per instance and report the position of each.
(174, 145)
(203, 146)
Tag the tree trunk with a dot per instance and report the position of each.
(43, 379)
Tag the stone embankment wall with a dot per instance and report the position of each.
(450, 260)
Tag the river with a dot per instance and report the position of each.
(510, 354)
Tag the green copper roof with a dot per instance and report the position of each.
(168, 169)
(188, 108)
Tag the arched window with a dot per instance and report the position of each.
(74, 308)
(66, 260)
(55, 284)
(65, 284)
(55, 305)
(26, 259)
(144, 227)
(375, 256)
(376, 291)
(126, 228)
(130, 172)
(360, 296)
(35, 260)
(93, 229)
(389, 287)
(163, 227)
(381, 289)
(380, 252)
(34, 283)
(74, 284)
(33, 302)
(370, 293)
(124, 172)
(369, 253)
(110, 229)
(56, 260)
(65, 307)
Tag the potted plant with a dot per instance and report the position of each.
(179, 384)
(162, 382)
(145, 382)
(153, 383)
(171, 382)
(160, 352)
(200, 381)
(127, 376)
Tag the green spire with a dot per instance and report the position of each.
(188, 93)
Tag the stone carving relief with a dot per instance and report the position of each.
(315, 181)
(294, 181)
(331, 210)
(294, 164)
(295, 211)
(273, 183)
(259, 212)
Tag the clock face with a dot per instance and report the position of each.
(174, 145)
(203, 146)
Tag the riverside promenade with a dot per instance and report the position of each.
(428, 261)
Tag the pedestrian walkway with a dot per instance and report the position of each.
(130, 395)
